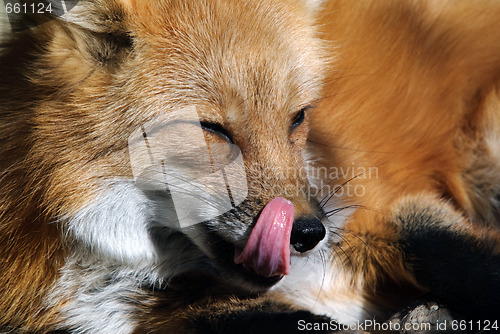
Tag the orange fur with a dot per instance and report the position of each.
(408, 96)
(412, 91)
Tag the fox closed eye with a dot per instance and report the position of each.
(218, 130)
(299, 118)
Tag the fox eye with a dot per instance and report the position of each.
(299, 118)
(217, 129)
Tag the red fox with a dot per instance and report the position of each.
(100, 103)
(158, 162)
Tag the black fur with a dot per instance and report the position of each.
(461, 271)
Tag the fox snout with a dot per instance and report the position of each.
(267, 251)
(307, 232)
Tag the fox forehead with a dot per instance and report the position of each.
(216, 53)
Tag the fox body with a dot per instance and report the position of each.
(89, 242)
(413, 96)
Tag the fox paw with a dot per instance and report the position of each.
(423, 317)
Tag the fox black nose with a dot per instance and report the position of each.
(307, 232)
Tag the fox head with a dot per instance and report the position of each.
(115, 96)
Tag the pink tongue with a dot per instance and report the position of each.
(267, 251)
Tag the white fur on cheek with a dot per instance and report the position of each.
(319, 280)
(118, 247)
(321, 284)
(100, 300)
(115, 226)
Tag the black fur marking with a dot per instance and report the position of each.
(260, 321)
(462, 273)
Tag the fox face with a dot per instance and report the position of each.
(215, 81)
(152, 139)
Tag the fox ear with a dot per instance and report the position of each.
(95, 30)
(91, 36)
